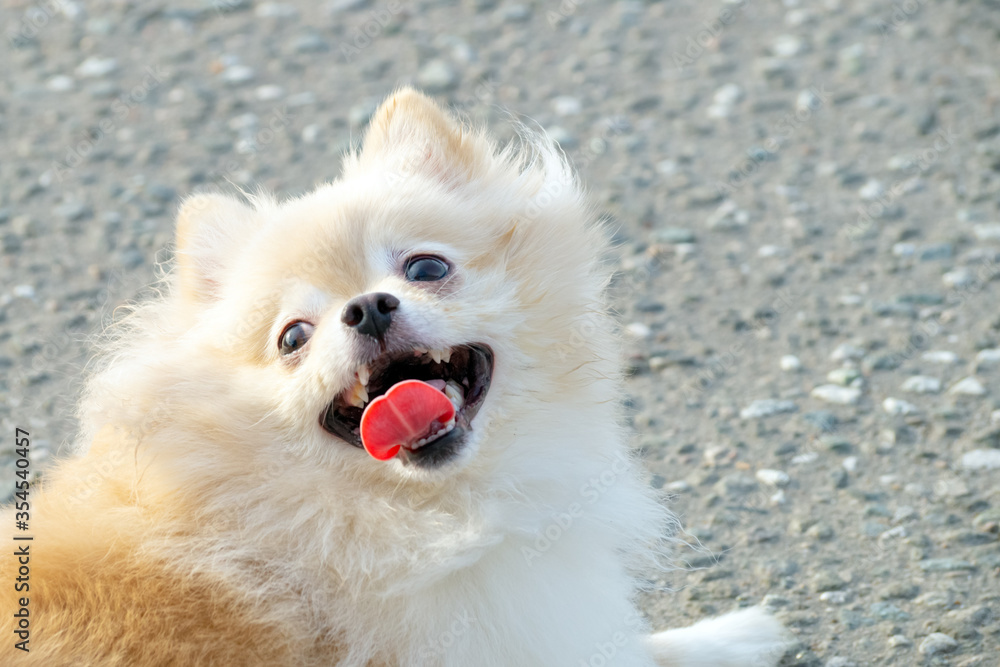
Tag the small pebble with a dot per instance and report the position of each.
(565, 105)
(60, 83)
(666, 167)
(871, 190)
(766, 251)
(96, 67)
(835, 597)
(674, 235)
(310, 42)
(727, 217)
(236, 75)
(437, 76)
(335, 6)
(847, 351)
(987, 232)
(899, 641)
(832, 393)
(790, 363)
(516, 13)
(897, 406)
(840, 661)
(275, 10)
(937, 643)
(775, 601)
(951, 488)
(807, 100)
(311, 132)
(850, 300)
(805, 458)
(787, 46)
(729, 94)
(639, 330)
(969, 386)
(774, 477)
(922, 384)
(988, 357)
(269, 92)
(934, 600)
(766, 407)
(940, 357)
(933, 253)
(981, 459)
(679, 486)
(566, 139)
(852, 59)
(845, 377)
(961, 277)
(945, 565)
(904, 249)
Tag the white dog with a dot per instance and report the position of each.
(377, 425)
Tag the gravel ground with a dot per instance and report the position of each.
(806, 197)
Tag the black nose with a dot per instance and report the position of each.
(370, 314)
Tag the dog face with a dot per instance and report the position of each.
(435, 257)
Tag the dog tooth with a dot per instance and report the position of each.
(364, 373)
(358, 396)
(454, 392)
(446, 355)
(419, 351)
(445, 429)
(436, 356)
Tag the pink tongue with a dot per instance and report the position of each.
(409, 411)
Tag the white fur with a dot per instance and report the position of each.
(747, 638)
(523, 552)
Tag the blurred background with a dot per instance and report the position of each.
(805, 197)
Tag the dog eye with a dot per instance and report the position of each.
(294, 337)
(426, 269)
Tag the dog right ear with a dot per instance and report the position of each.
(411, 134)
(209, 229)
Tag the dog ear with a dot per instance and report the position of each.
(410, 134)
(209, 228)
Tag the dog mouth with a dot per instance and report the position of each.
(462, 373)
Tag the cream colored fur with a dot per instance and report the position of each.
(208, 519)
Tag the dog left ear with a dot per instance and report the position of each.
(210, 227)
(410, 134)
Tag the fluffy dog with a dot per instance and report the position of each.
(223, 509)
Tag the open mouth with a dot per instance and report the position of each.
(462, 373)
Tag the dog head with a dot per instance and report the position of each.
(437, 257)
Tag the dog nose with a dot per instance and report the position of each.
(370, 314)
